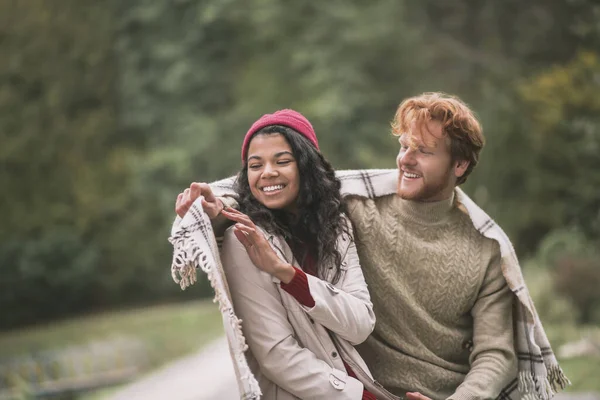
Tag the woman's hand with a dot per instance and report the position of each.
(211, 205)
(259, 250)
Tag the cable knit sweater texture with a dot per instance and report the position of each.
(440, 297)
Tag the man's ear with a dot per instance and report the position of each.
(460, 167)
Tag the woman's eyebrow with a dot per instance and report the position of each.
(278, 154)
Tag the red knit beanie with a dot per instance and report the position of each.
(290, 118)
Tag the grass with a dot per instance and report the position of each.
(175, 330)
(583, 373)
(167, 331)
(559, 319)
(101, 394)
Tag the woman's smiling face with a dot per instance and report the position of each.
(273, 174)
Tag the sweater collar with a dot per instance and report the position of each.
(426, 213)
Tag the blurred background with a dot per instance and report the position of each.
(109, 109)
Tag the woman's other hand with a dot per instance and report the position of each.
(259, 250)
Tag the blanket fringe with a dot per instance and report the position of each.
(557, 378)
(534, 387)
(525, 384)
(187, 258)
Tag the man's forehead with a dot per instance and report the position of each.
(428, 134)
(410, 137)
(417, 140)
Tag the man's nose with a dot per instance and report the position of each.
(407, 157)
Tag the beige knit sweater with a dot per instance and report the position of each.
(444, 310)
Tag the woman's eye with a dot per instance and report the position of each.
(254, 166)
(283, 162)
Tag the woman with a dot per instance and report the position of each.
(293, 270)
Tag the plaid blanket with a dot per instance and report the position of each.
(195, 247)
(539, 375)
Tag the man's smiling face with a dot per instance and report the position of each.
(426, 169)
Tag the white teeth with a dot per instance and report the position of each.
(272, 188)
(409, 175)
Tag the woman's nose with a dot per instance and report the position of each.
(269, 171)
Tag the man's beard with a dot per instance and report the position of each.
(426, 191)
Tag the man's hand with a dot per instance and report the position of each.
(211, 204)
(416, 396)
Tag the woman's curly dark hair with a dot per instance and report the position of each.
(319, 219)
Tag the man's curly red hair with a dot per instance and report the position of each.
(458, 123)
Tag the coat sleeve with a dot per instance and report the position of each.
(271, 337)
(345, 308)
(493, 359)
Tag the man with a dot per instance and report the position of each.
(442, 289)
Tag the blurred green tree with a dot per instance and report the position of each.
(108, 110)
(565, 129)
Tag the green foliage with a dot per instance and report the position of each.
(60, 167)
(553, 308)
(578, 279)
(59, 265)
(563, 242)
(570, 270)
(108, 110)
(75, 231)
(583, 373)
(58, 125)
(565, 129)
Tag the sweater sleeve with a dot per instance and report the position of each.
(493, 360)
(298, 287)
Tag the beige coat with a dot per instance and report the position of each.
(299, 348)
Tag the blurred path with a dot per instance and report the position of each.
(206, 375)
